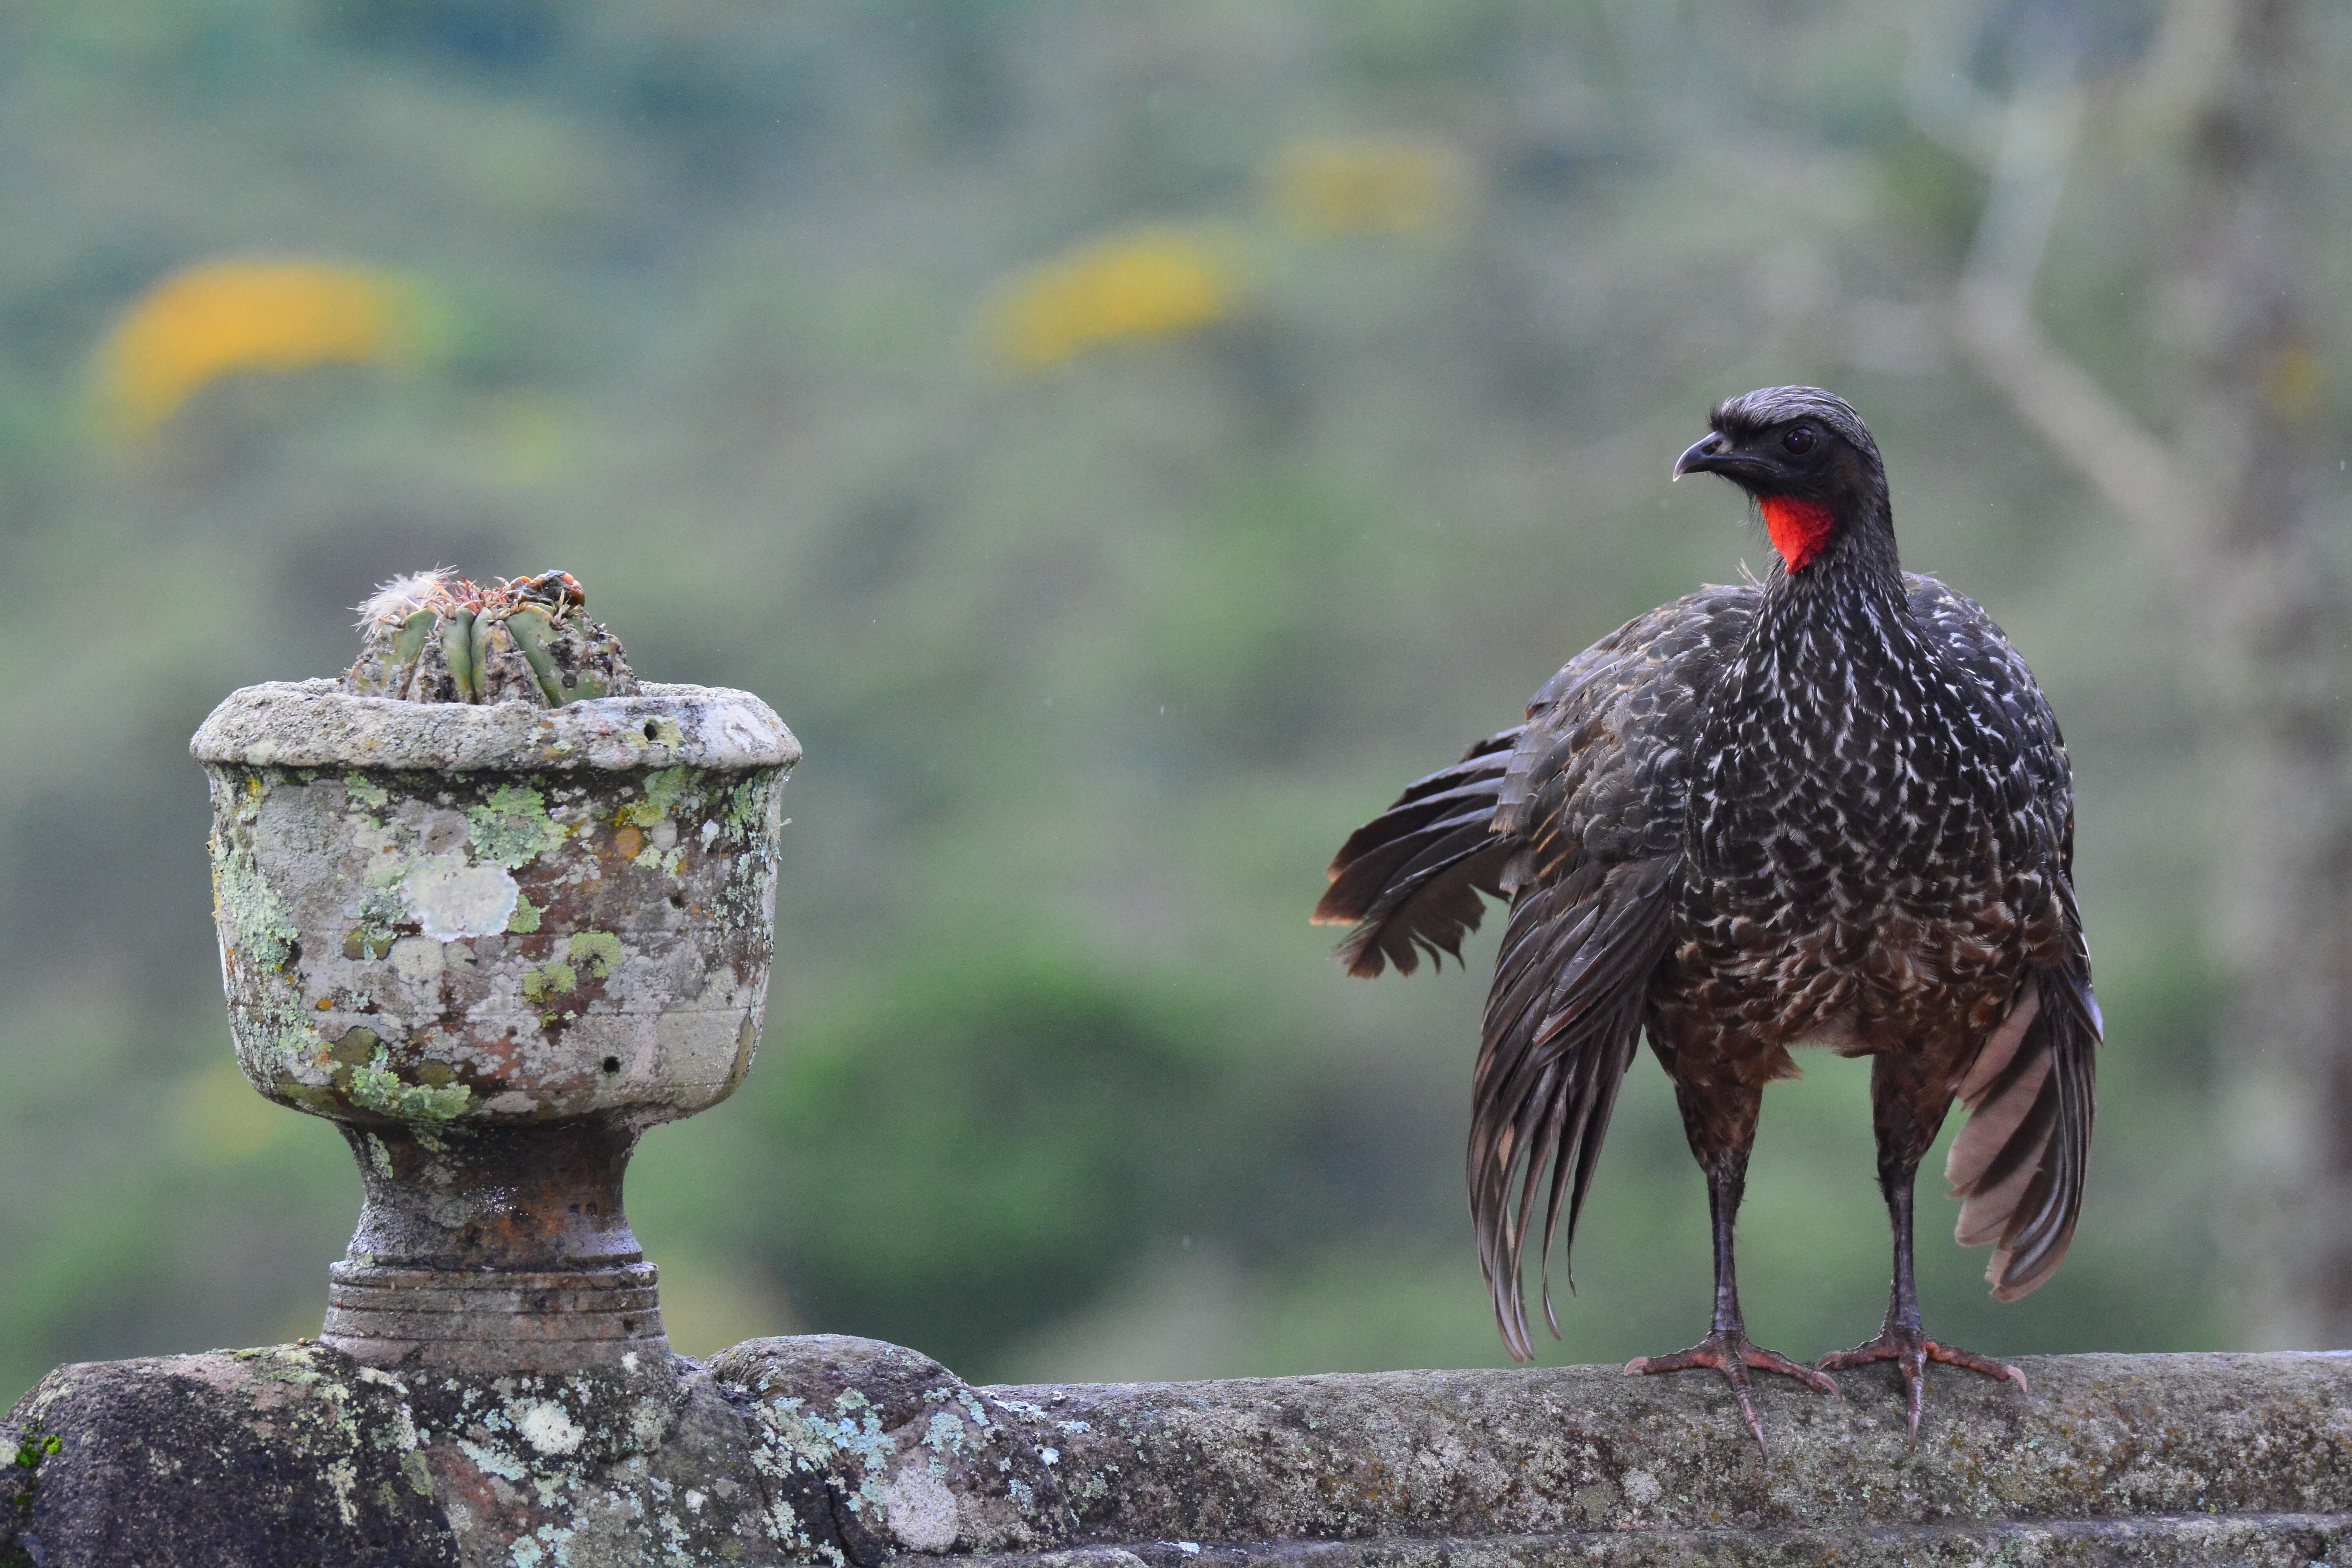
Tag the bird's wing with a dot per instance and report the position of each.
(2019, 1164)
(1591, 809)
(2008, 701)
(1409, 880)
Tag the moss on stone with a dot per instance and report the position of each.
(23, 1479)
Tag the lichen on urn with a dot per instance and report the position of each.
(520, 931)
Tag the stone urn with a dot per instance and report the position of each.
(493, 944)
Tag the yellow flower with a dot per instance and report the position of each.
(229, 316)
(1152, 285)
(1325, 189)
(2293, 381)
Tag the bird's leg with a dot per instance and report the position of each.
(1901, 1339)
(1725, 1348)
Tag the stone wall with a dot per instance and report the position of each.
(842, 1451)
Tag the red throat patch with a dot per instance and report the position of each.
(1801, 530)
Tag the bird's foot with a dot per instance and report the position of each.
(1912, 1350)
(1732, 1356)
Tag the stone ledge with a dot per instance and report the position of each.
(2259, 1541)
(825, 1449)
(1492, 1453)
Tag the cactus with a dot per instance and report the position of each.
(435, 636)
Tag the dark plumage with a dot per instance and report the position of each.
(1832, 808)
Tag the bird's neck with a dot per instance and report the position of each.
(1832, 553)
(1843, 607)
(1801, 530)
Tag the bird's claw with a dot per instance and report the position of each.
(1732, 1356)
(1911, 1352)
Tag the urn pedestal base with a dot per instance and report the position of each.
(488, 1249)
(485, 1322)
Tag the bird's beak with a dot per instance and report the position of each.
(1715, 454)
(1705, 457)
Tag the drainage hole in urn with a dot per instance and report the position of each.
(612, 1064)
(678, 900)
(653, 729)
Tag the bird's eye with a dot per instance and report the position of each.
(1797, 442)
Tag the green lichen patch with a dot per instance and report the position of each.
(513, 828)
(280, 1035)
(663, 791)
(525, 919)
(377, 1088)
(357, 1048)
(548, 980)
(260, 926)
(366, 942)
(385, 917)
(748, 806)
(32, 1448)
(359, 787)
(597, 951)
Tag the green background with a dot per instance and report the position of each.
(1094, 668)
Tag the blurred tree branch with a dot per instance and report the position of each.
(2026, 148)
(2133, 469)
(2238, 518)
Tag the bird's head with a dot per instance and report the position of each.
(1804, 457)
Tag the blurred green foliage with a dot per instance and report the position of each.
(969, 1148)
(1094, 666)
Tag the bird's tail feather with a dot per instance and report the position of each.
(2020, 1161)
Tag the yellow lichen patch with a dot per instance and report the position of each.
(216, 320)
(1149, 286)
(1331, 188)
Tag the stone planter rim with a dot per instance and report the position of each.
(317, 724)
